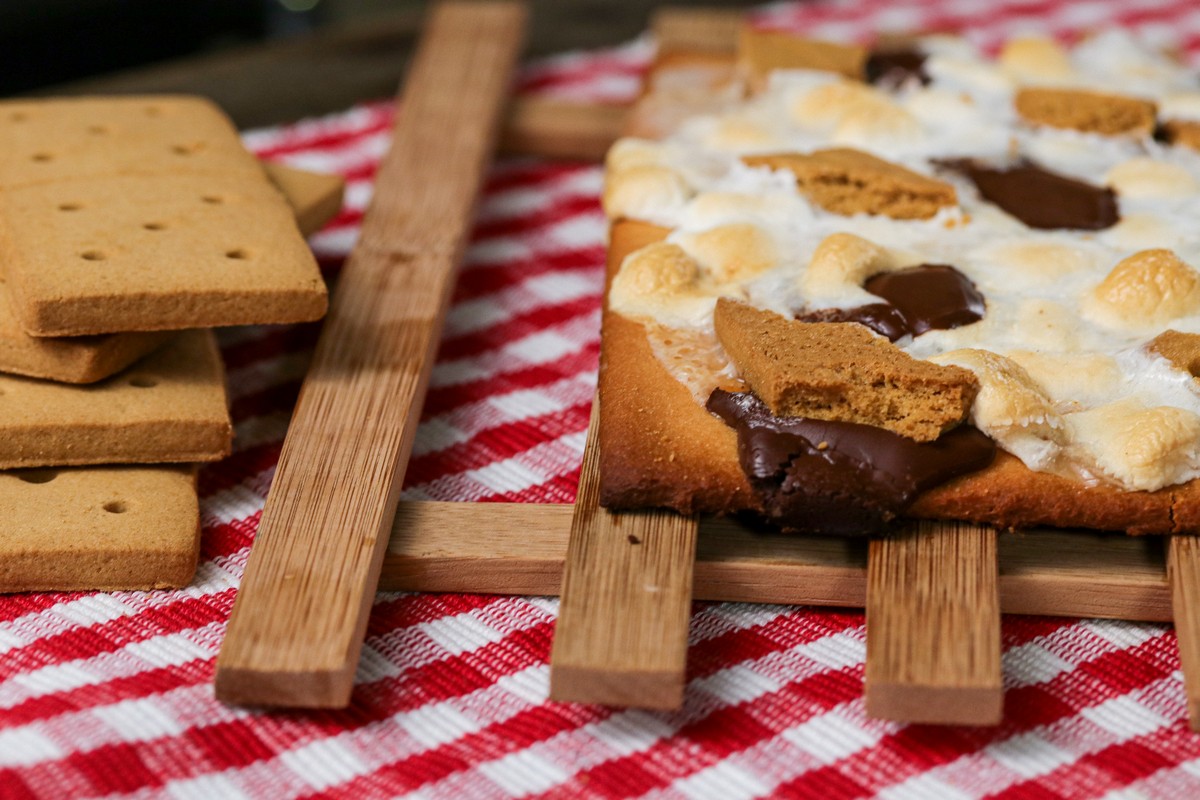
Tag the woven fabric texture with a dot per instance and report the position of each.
(111, 694)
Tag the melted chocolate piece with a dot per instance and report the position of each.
(894, 67)
(840, 478)
(930, 297)
(883, 318)
(1040, 198)
(919, 299)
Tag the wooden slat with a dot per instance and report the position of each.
(519, 548)
(621, 636)
(550, 128)
(933, 626)
(1183, 571)
(297, 627)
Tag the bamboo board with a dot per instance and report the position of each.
(521, 548)
(297, 626)
(621, 636)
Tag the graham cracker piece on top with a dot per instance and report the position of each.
(1089, 112)
(1184, 132)
(1181, 349)
(848, 181)
(840, 371)
(760, 52)
(98, 528)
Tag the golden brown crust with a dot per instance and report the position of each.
(1090, 112)
(659, 448)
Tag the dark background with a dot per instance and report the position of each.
(264, 61)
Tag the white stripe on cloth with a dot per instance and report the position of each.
(543, 347)
(468, 421)
(537, 291)
(533, 467)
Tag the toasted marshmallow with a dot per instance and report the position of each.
(644, 192)
(843, 262)
(1144, 291)
(871, 122)
(1145, 177)
(661, 282)
(1141, 232)
(1071, 381)
(710, 209)
(1046, 325)
(1035, 59)
(632, 152)
(855, 114)
(740, 134)
(1011, 406)
(1034, 261)
(1139, 448)
(1181, 105)
(736, 252)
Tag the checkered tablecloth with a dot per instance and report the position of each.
(111, 694)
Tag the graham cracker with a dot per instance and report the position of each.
(842, 372)
(171, 407)
(1182, 132)
(162, 252)
(1181, 349)
(98, 528)
(86, 137)
(761, 52)
(1090, 112)
(848, 181)
(144, 213)
(314, 198)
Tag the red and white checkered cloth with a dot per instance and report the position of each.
(111, 694)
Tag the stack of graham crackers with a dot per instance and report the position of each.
(128, 228)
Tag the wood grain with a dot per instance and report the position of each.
(621, 636)
(933, 626)
(298, 623)
(519, 548)
(552, 128)
(1183, 573)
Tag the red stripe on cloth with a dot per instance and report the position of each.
(715, 736)
(152, 682)
(479, 279)
(447, 397)
(496, 444)
(516, 327)
(564, 208)
(84, 642)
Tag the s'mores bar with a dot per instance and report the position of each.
(910, 281)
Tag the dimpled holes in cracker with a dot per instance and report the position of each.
(145, 253)
(66, 139)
